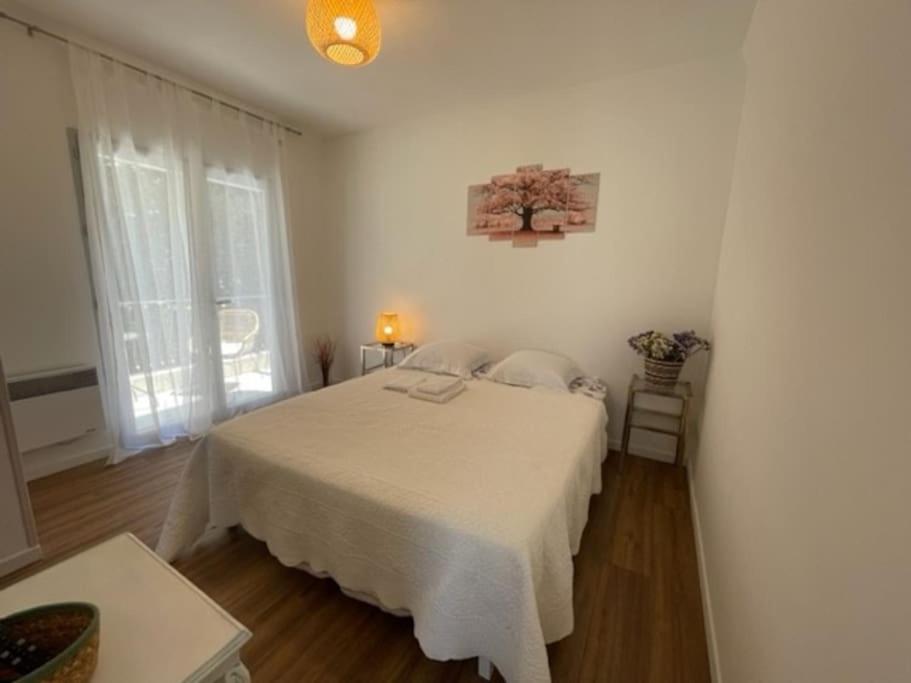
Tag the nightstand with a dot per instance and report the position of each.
(388, 353)
(655, 419)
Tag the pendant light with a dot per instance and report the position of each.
(346, 32)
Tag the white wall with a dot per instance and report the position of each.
(803, 479)
(46, 318)
(663, 141)
(45, 306)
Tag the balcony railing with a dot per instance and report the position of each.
(161, 372)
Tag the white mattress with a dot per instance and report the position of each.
(465, 514)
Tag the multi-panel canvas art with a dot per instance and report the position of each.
(533, 204)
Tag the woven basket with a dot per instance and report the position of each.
(662, 374)
(66, 632)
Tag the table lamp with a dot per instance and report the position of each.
(387, 328)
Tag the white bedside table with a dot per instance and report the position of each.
(156, 626)
(388, 353)
(658, 420)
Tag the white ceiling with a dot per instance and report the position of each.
(436, 53)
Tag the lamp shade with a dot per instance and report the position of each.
(346, 32)
(387, 328)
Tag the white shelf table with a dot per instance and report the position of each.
(156, 626)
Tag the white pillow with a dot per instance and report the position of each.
(536, 369)
(447, 358)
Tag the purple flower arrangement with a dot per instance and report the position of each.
(674, 349)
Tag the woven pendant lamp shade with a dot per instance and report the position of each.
(346, 32)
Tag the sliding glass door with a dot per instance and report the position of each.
(185, 229)
(155, 322)
(244, 309)
(194, 316)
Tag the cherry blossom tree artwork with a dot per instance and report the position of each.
(533, 204)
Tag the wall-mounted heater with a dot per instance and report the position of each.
(56, 406)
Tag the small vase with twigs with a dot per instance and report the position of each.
(324, 348)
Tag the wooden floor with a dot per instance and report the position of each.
(637, 606)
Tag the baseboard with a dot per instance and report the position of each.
(708, 615)
(42, 462)
(24, 557)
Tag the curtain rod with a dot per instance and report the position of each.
(32, 29)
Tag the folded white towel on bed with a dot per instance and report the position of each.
(440, 385)
(404, 382)
(455, 389)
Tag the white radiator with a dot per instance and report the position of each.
(55, 407)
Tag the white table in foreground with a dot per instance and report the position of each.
(155, 624)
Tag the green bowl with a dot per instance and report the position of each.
(71, 629)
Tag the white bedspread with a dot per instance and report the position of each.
(465, 514)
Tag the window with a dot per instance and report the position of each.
(242, 293)
(196, 330)
(187, 248)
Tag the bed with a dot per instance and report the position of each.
(464, 515)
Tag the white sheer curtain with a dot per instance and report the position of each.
(189, 254)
